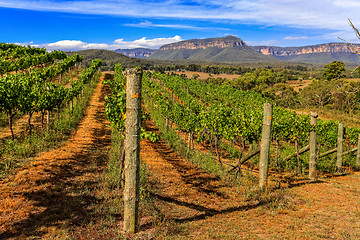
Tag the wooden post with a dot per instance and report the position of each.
(11, 116)
(265, 145)
(339, 153)
(48, 117)
(58, 112)
(132, 150)
(167, 124)
(312, 159)
(357, 164)
(189, 143)
(72, 105)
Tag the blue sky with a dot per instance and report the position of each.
(112, 24)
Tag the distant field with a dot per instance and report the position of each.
(296, 84)
(203, 75)
(301, 84)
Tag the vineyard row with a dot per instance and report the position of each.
(220, 116)
(35, 92)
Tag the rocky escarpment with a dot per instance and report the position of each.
(320, 48)
(321, 53)
(136, 52)
(229, 41)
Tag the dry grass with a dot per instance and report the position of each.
(203, 75)
(296, 84)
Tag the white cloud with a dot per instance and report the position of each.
(325, 14)
(329, 14)
(295, 38)
(71, 45)
(66, 44)
(262, 43)
(147, 43)
(148, 24)
(97, 46)
(27, 44)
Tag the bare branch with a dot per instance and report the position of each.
(355, 29)
(354, 48)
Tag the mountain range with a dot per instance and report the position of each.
(231, 49)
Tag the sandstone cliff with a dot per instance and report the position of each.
(229, 41)
(320, 48)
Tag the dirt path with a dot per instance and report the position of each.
(56, 189)
(204, 207)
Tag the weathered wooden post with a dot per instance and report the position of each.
(189, 142)
(312, 159)
(357, 164)
(167, 124)
(48, 117)
(132, 150)
(72, 105)
(48, 113)
(339, 147)
(265, 145)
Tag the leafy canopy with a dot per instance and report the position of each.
(334, 70)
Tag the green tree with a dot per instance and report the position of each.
(196, 76)
(286, 96)
(334, 70)
(318, 93)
